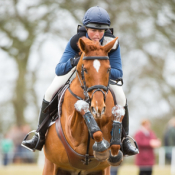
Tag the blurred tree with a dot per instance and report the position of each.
(23, 24)
(147, 39)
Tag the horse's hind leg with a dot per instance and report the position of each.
(48, 168)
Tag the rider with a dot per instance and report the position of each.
(96, 24)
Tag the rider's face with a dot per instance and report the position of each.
(95, 34)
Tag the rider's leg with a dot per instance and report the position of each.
(57, 82)
(128, 149)
(31, 144)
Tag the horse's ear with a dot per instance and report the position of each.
(109, 46)
(81, 44)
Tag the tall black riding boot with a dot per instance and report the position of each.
(32, 143)
(128, 149)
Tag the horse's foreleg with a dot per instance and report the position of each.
(98, 136)
(83, 108)
(101, 145)
(48, 168)
(116, 156)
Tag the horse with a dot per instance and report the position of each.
(69, 149)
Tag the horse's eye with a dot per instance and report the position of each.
(109, 70)
(85, 70)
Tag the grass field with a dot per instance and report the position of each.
(35, 170)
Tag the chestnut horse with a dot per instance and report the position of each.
(91, 84)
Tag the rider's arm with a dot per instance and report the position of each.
(116, 64)
(64, 65)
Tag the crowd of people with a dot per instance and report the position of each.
(10, 146)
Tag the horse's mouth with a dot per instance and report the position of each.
(97, 115)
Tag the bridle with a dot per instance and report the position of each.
(86, 89)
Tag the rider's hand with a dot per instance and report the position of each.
(155, 143)
(74, 61)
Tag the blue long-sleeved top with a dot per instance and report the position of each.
(64, 65)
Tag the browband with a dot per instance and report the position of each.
(96, 57)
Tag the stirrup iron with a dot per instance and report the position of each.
(135, 143)
(25, 138)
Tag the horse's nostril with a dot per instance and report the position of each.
(93, 110)
(103, 110)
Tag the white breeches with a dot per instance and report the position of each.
(119, 94)
(58, 81)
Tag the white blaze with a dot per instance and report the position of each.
(96, 65)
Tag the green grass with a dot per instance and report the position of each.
(35, 170)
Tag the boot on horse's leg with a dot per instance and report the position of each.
(101, 145)
(128, 149)
(32, 143)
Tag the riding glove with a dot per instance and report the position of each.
(74, 61)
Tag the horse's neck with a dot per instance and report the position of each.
(73, 123)
(78, 129)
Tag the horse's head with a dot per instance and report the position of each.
(94, 67)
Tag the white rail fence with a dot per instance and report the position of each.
(162, 157)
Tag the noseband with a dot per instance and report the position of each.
(96, 87)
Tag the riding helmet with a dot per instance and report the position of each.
(96, 18)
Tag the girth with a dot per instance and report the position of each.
(75, 159)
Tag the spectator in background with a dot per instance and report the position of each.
(21, 155)
(147, 141)
(114, 170)
(7, 149)
(169, 138)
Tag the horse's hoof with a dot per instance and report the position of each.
(101, 146)
(115, 160)
(101, 156)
